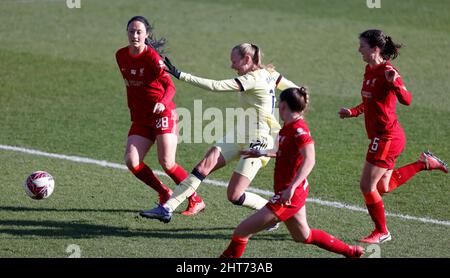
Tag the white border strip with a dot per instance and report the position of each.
(107, 164)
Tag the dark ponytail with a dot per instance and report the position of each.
(156, 44)
(389, 49)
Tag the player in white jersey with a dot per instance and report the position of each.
(256, 85)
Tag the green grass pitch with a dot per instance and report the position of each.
(61, 92)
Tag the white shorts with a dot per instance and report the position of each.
(247, 167)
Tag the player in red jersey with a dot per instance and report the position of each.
(382, 87)
(295, 159)
(149, 92)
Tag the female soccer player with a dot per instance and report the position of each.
(381, 88)
(256, 85)
(150, 91)
(295, 159)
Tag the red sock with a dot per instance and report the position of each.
(236, 248)
(145, 174)
(403, 174)
(328, 242)
(178, 174)
(375, 206)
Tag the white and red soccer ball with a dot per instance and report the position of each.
(39, 185)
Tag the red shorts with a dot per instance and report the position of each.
(160, 124)
(383, 152)
(284, 212)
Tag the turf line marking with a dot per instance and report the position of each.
(107, 164)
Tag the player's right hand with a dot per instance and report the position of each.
(170, 68)
(344, 113)
(391, 75)
(250, 153)
(286, 196)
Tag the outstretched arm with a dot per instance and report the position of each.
(228, 85)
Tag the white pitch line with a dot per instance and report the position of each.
(107, 164)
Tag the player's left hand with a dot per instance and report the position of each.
(159, 108)
(286, 196)
(391, 75)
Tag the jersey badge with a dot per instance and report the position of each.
(300, 132)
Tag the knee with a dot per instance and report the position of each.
(383, 185)
(303, 236)
(303, 239)
(365, 187)
(236, 198)
(214, 152)
(369, 184)
(382, 189)
(166, 163)
(131, 162)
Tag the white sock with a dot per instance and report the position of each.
(254, 201)
(182, 191)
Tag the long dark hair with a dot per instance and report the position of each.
(374, 37)
(156, 44)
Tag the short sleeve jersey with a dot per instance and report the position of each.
(291, 139)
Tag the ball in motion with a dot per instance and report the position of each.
(39, 185)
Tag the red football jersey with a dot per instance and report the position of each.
(146, 81)
(291, 139)
(380, 100)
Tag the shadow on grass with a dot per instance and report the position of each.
(84, 229)
(80, 229)
(22, 209)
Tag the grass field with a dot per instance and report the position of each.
(61, 92)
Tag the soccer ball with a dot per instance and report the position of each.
(39, 185)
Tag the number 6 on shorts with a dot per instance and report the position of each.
(374, 145)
